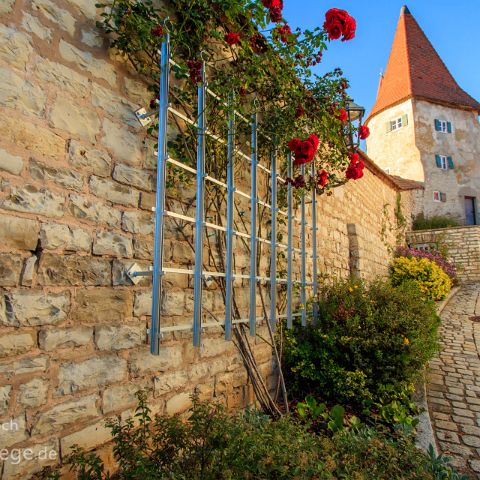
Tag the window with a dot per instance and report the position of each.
(439, 197)
(443, 126)
(397, 123)
(443, 162)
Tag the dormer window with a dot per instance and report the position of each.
(443, 126)
(397, 123)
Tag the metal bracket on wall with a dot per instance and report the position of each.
(144, 117)
(135, 273)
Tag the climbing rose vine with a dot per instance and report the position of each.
(254, 57)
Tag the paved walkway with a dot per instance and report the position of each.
(453, 391)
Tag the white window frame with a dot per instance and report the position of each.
(444, 160)
(396, 124)
(443, 126)
(437, 196)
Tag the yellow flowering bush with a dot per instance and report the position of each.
(430, 279)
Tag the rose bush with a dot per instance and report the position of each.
(251, 58)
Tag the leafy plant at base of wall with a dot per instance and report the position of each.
(209, 444)
(317, 415)
(395, 407)
(365, 337)
(430, 279)
(420, 222)
(265, 66)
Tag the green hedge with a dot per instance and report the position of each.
(365, 339)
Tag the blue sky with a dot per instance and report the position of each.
(451, 26)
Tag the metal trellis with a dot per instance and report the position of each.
(198, 273)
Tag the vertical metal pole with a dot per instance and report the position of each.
(230, 204)
(273, 249)
(160, 197)
(289, 245)
(200, 213)
(304, 266)
(314, 244)
(253, 230)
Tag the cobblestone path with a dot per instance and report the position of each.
(453, 389)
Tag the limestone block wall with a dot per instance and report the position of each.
(463, 244)
(76, 190)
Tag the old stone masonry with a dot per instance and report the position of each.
(454, 382)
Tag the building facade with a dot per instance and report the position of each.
(424, 127)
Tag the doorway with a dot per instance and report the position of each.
(470, 211)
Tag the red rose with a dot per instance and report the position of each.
(335, 30)
(300, 111)
(337, 23)
(349, 28)
(314, 140)
(342, 115)
(232, 38)
(243, 92)
(355, 169)
(304, 151)
(258, 43)
(276, 14)
(299, 182)
(273, 4)
(157, 31)
(195, 68)
(363, 132)
(293, 144)
(322, 178)
(284, 32)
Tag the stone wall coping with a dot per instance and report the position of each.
(445, 229)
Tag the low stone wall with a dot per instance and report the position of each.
(76, 191)
(462, 243)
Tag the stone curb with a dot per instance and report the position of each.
(425, 436)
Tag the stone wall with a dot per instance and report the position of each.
(76, 191)
(462, 243)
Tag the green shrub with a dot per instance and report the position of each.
(364, 339)
(420, 222)
(212, 445)
(429, 278)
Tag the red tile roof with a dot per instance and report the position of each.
(415, 70)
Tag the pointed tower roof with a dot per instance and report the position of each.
(415, 70)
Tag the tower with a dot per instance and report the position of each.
(425, 127)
